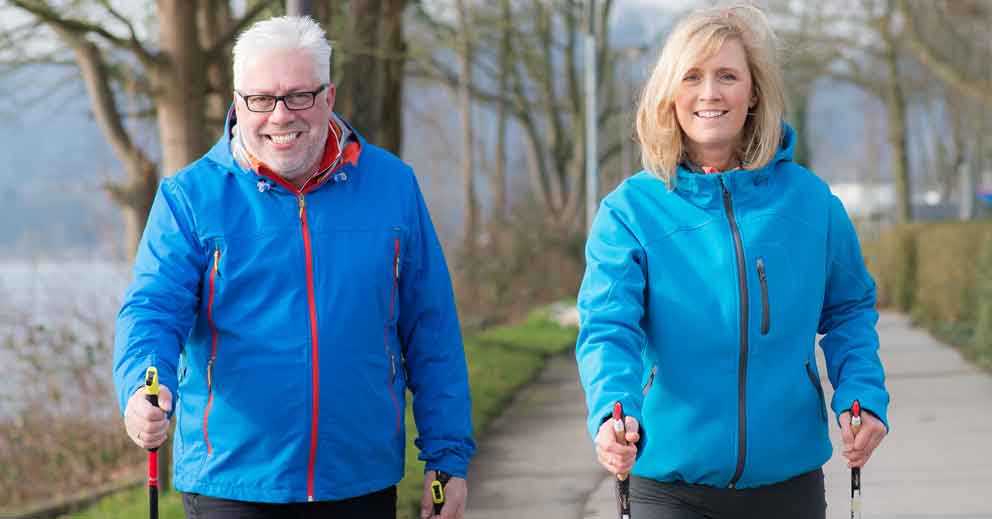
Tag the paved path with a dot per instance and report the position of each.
(537, 461)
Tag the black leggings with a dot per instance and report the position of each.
(381, 504)
(800, 497)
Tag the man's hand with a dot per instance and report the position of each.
(146, 424)
(617, 458)
(858, 450)
(455, 494)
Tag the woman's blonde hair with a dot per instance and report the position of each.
(695, 39)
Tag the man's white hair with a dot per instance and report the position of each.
(293, 33)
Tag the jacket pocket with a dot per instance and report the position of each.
(819, 390)
(765, 308)
(647, 385)
(213, 347)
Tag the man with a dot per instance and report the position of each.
(288, 287)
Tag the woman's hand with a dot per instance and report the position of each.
(615, 457)
(858, 449)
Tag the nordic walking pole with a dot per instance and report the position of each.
(855, 471)
(437, 490)
(623, 481)
(151, 388)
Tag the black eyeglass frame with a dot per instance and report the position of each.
(313, 100)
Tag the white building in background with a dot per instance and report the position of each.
(865, 200)
(877, 202)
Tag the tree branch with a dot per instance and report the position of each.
(434, 70)
(980, 90)
(97, 82)
(127, 23)
(45, 13)
(217, 50)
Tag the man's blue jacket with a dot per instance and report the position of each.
(289, 325)
(717, 290)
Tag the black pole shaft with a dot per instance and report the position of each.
(153, 502)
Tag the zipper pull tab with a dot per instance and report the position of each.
(396, 260)
(761, 270)
(303, 205)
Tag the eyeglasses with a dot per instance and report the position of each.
(292, 100)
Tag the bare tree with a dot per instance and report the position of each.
(170, 73)
(540, 86)
(950, 39)
(947, 36)
(860, 42)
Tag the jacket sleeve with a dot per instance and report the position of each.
(847, 321)
(160, 304)
(433, 352)
(611, 304)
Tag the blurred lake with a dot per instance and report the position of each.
(47, 290)
(81, 297)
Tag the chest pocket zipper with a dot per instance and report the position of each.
(765, 307)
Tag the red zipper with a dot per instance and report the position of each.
(213, 350)
(385, 331)
(315, 362)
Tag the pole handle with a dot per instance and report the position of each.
(151, 390)
(151, 394)
(623, 481)
(855, 471)
(437, 490)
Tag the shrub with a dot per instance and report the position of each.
(893, 263)
(947, 273)
(60, 431)
(940, 273)
(981, 344)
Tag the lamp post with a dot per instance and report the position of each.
(298, 7)
(591, 146)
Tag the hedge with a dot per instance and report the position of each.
(941, 274)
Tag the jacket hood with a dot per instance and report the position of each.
(705, 190)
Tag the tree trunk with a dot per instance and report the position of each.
(371, 90)
(967, 209)
(135, 200)
(498, 178)
(895, 102)
(214, 21)
(800, 118)
(180, 86)
(470, 234)
(896, 108)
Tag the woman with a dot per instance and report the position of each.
(708, 277)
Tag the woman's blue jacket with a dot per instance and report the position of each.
(717, 290)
